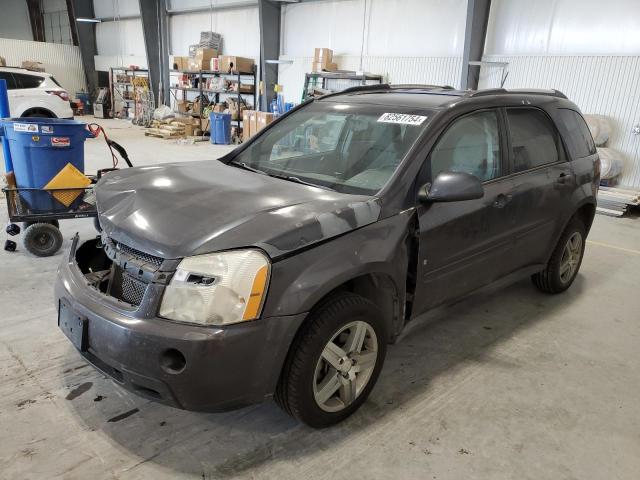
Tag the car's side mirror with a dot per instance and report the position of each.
(451, 187)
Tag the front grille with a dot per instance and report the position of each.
(142, 256)
(127, 288)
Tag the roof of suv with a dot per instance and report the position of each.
(424, 96)
(24, 70)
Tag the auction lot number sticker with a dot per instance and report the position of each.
(402, 118)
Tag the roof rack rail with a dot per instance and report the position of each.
(517, 91)
(418, 86)
(360, 88)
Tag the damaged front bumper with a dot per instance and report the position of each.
(187, 366)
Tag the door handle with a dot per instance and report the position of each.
(563, 178)
(502, 200)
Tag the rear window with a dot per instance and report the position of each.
(8, 77)
(28, 81)
(579, 142)
(533, 139)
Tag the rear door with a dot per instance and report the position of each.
(466, 245)
(543, 183)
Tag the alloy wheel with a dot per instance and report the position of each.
(345, 366)
(570, 257)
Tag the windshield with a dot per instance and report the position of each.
(350, 148)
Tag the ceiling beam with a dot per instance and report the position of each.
(86, 37)
(270, 19)
(155, 30)
(36, 19)
(474, 39)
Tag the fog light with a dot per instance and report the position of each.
(172, 361)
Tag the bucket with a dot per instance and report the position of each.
(40, 148)
(220, 128)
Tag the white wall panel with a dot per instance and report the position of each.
(62, 61)
(115, 8)
(564, 27)
(14, 21)
(240, 31)
(606, 85)
(431, 70)
(123, 37)
(406, 28)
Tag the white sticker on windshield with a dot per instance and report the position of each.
(403, 118)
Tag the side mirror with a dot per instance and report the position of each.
(451, 187)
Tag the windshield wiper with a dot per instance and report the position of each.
(291, 178)
(247, 167)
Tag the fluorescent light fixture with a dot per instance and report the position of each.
(88, 20)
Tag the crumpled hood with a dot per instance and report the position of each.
(179, 209)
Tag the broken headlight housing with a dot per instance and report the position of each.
(218, 288)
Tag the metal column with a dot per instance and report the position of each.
(474, 37)
(269, 49)
(86, 33)
(155, 28)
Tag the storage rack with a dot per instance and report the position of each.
(118, 89)
(238, 78)
(319, 80)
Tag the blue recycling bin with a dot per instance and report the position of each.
(220, 128)
(40, 148)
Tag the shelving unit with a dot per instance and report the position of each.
(124, 92)
(338, 80)
(201, 76)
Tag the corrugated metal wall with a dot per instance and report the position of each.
(605, 85)
(62, 61)
(434, 70)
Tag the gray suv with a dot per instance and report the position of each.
(286, 267)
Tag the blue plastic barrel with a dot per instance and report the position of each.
(220, 128)
(40, 148)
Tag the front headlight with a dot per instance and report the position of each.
(218, 288)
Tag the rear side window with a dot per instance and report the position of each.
(471, 145)
(28, 81)
(534, 140)
(580, 142)
(11, 82)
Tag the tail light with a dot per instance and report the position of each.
(596, 173)
(59, 93)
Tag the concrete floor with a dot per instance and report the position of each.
(513, 385)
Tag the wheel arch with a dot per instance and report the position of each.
(38, 110)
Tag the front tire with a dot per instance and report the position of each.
(334, 362)
(42, 239)
(565, 261)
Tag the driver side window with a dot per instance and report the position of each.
(471, 145)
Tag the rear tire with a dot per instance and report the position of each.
(334, 361)
(42, 239)
(565, 261)
(55, 223)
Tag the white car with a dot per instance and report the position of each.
(35, 94)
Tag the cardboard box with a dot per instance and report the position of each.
(202, 59)
(246, 134)
(263, 119)
(233, 64)
(193, 48)
(180, 63)
(33, 66)
(253, 126)
(323, 55)
(324, 67)
(183, 106)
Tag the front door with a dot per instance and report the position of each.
(465, 245)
